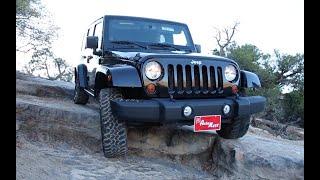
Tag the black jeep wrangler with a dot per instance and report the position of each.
(149, 72)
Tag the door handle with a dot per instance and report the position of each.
(88, 58)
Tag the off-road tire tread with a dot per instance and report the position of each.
(113, 130)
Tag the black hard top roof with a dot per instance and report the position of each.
(142, 18)
(135, 17)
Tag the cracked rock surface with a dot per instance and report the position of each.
(56, 139)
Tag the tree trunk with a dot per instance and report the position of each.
(222, 53)
(47, 69)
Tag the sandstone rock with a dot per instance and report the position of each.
(45, 112)
(259, 157)
(278, 129)
(170, 141)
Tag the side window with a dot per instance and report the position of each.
(98, 33)
(84, 41)
(90, 31)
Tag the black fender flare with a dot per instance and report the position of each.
(81, 74)
(249, 80)
(121, 76)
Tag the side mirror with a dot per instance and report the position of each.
(198, 48)
(92, 42)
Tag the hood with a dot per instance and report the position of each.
(142, 56)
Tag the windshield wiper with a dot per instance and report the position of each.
(165, 45)
(128, 43)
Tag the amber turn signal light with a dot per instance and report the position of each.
(151, 88)
(235, 89)
(109, 78)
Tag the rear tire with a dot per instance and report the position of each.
(80, 96)
(113, 130)
(236, 129)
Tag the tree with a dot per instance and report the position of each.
(65, 72)
(54, 68)
(34, 26)
(246, 55)
(40, 61)
(250, 58)
(294, 107)
(35, 33)
(223, 38)
(290, 70)
(277, 70)
(274, 72)
(25, 10)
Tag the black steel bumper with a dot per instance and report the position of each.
(164, 110)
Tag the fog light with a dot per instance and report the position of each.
(226, 109)
(187, 111)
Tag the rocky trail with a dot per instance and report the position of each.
(56, 139)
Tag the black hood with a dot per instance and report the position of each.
(142, 56)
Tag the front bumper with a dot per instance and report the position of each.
(165, 110)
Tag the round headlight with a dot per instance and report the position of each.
(153, 70)
(230, 72)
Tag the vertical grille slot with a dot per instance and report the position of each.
(205, 78)
(196, 78)
(170, 77)
(179, 77)
(212, 78)
(220, 80)
(188, 78)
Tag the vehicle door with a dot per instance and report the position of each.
(86, 53)
(92, 60)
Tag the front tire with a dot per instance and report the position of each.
(236, 129)
(113, 130)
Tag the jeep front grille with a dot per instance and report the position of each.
(194, 79)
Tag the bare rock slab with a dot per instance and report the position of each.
(45, 111)
(259, 157)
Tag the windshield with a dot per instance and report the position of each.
(148, 32)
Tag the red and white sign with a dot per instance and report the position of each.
(207, 123)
